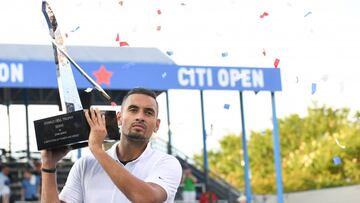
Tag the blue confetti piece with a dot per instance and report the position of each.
(226, 106)
(224, 54)
(313, 88)
(308, 13)
(169, 53)
(337, 160)
(73, 30)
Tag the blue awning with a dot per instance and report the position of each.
(32, 66)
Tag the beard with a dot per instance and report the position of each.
(136, 137)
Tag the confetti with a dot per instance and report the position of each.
(158, 28)
(113, 103)
(276, 62)
(89, 89)
(313, 88)
(308, 13)
(117, 37)
(122, 44)
(73, 30)
(264, 14)
(338, 143)
(159, 12)
(264, 53)
(337, 160)
(226, 106)
(163, 75)
(224, 54)
(169, 53)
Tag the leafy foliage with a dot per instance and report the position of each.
(309, 146)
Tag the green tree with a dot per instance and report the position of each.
(309, 146)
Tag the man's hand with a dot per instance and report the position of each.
(51, 157)
(98, 128)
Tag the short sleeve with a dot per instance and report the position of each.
(167, 173)
(73, 190)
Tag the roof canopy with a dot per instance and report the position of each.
(32, 67)
(29, 70)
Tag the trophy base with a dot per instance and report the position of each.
(71, 130)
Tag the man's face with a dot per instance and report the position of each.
(138, 118)
(27, 174)
(6, 170)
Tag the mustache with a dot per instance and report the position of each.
(141, 123)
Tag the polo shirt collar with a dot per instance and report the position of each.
(112, 152)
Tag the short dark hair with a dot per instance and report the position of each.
(141, 90)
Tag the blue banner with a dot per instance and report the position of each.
(42, 74)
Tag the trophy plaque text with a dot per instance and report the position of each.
(71, 129)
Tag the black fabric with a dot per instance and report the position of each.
(125, 162)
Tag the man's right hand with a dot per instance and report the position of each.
(50, 157)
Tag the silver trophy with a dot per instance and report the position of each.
(70, 129)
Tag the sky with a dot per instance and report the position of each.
(316, 42)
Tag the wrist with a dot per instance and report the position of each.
(48, 170)
(48, 165)
(97, 151)
(95, 148)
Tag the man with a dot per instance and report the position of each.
(4, 184)
(30, 186)
(189, 190)
(128, 172)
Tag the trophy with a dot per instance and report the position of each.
(70, 129)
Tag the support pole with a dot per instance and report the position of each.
(7, 98)
(26, 102)
(8, 117)
(169, 143)
(205, 157)
(246, 156)
(279, 187)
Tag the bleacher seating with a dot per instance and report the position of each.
(16, 176)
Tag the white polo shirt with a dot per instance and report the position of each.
(89, 183)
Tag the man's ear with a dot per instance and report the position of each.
(157, 125)
(118, 117)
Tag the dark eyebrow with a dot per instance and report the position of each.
(146, 109)
(150, 109)
(132, 106)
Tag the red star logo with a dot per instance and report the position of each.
(102, 75)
